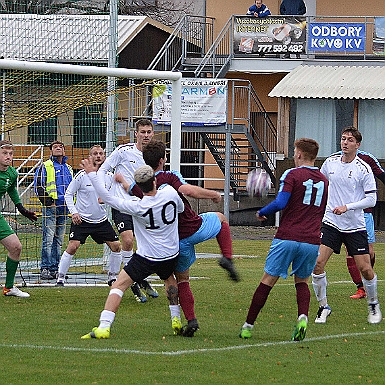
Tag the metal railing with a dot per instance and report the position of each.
(247, 109)
(219, 55)
(192, 37)
(28, 159)
(26, 167)
(370, 26)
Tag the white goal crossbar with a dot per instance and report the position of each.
(174, 77)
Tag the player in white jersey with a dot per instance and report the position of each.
(354, 185)
(352, 188)
(379, 173)
(125, 159)
(89, 218)
(155, 218)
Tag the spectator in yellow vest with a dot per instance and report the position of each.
(51, 181)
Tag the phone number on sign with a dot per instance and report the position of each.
(279, 48)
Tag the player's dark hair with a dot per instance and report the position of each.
(56, 142)
(146, 186)
(153, 152)
(354, 131)
(309, 148)
(143, 122)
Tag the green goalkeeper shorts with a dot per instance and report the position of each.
(5, 229)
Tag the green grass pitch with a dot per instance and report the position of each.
(40, 336)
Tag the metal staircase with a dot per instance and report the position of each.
(217, 59)
(253, 139)
(186, 46)
(192, 50)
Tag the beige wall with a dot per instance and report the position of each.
(263, 84)
(351, 8)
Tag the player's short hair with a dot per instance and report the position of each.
(153, 152)
(95, 146)
(5, 143)
(354, 131)
(56, 142)
(143, 122)
(144, 178)
(309, 148)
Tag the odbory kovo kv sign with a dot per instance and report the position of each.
(336, 37)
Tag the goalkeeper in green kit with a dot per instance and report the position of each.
(8, 178)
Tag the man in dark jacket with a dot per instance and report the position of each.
(258, 9)
(292, 7)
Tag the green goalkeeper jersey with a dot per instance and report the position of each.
(8, 179)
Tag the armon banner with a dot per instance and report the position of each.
(204, 102)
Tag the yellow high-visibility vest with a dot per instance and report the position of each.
(50, 184)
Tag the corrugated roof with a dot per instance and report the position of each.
(65, 37)
(341, 82)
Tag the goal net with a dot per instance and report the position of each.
(80, 106)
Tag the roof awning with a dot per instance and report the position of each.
(340, 82)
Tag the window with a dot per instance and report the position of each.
(88, 126)
(316, 119)
(371, 117)
(44, 132)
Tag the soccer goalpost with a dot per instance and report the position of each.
(42, 102)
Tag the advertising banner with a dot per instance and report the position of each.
(272, 34)
(204, 102)
(336, 37)
(379, 36)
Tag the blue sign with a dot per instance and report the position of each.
(336, 37)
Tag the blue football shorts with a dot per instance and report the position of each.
(210, 227)
(369, 223)
(283, 253)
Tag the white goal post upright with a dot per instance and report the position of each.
(174, 77)
(107, 93)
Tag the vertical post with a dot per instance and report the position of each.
(111, 85)
(111, 82)
(176, 125)
(229, 128)
(3, 107)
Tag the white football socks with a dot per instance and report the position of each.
(115, 262)
(106, 318)
(371, 289)
(319, 285)
(126, 255)
(64, 265)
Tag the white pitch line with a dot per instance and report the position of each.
(191, 351)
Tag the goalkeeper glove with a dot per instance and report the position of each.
(28, 214)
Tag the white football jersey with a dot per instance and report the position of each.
(348, 183)
(81, 198)
(125, 159)
(155, 219)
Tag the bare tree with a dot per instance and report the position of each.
(167, 12)
(47, 7)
